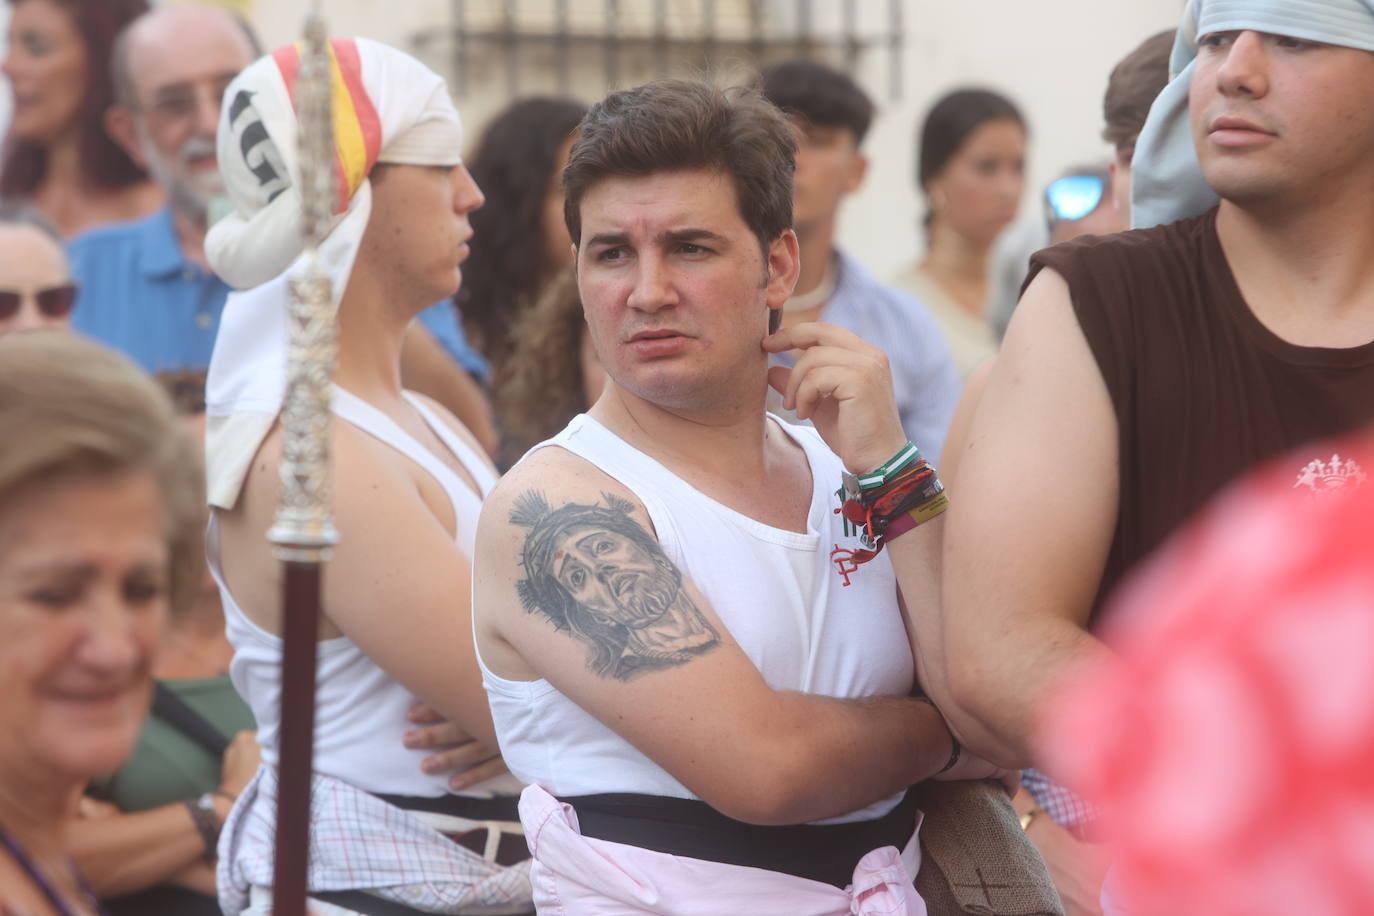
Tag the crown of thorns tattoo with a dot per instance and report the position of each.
(540, 590)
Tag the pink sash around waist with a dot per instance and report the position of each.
(573, 875)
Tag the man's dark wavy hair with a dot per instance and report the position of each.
(540, 591)
(1132, 88)
(678, 125)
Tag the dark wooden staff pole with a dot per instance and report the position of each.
(303, 533)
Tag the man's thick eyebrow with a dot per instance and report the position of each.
(612, 239)
(181, 87)
(609, 238)
(691, 235)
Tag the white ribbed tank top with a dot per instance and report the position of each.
(777, 591)
(360, 711)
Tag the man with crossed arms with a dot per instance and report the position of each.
(657, 598)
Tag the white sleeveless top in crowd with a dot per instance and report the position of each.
(360, 710)
(778, 592)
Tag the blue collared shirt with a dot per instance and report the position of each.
(140, 295)
(441, 320)
(923, 375)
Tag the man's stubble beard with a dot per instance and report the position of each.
(182, 194)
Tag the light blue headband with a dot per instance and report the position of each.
(1166, 181)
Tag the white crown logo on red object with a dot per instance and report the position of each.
(1334, 476)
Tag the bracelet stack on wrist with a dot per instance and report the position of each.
(892, 499)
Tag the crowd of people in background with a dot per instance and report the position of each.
(663, 665)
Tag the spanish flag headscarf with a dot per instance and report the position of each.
(388, 107)
(1166, 180)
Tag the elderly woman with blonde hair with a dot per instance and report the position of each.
(99, 535)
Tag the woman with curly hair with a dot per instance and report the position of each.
(520, 241)
(551, 373)
(58, 155)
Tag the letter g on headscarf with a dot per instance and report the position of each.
(1166, 180)
(387, 107)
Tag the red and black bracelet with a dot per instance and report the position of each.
(905, 498)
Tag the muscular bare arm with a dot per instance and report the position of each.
(1028, 530)
(572, 586)
(957, 437)
(397, 585)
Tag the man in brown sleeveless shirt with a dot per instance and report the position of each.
(1144, 371)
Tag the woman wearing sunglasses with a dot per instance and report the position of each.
(36, 289)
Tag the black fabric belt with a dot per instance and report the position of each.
(687, 827)
(498, 808)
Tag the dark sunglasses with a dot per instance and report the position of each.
(1074, 196)
(54, 301)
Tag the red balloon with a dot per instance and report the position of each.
(1231, 739)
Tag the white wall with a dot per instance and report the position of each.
(1052, 56)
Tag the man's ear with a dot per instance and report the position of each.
(858, 169)
(119, 124)
(784, 265)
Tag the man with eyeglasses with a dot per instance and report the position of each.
(146, 287)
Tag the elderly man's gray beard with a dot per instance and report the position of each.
(189, 193)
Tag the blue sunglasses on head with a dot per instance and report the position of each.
(1074, 196)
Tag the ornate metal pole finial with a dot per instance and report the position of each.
(304, 529)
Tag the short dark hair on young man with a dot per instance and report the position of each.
(677, 125)
(824, 97)
(1132, 88)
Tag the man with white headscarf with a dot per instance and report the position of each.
(408, 484)
(1144, 371)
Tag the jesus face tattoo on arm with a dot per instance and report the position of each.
(594, 571)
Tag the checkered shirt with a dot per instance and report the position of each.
(359, 842)
(1065, 807)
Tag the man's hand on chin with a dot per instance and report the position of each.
(844, 386)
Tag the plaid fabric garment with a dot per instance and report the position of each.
(359, 842)
(1068, 809)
